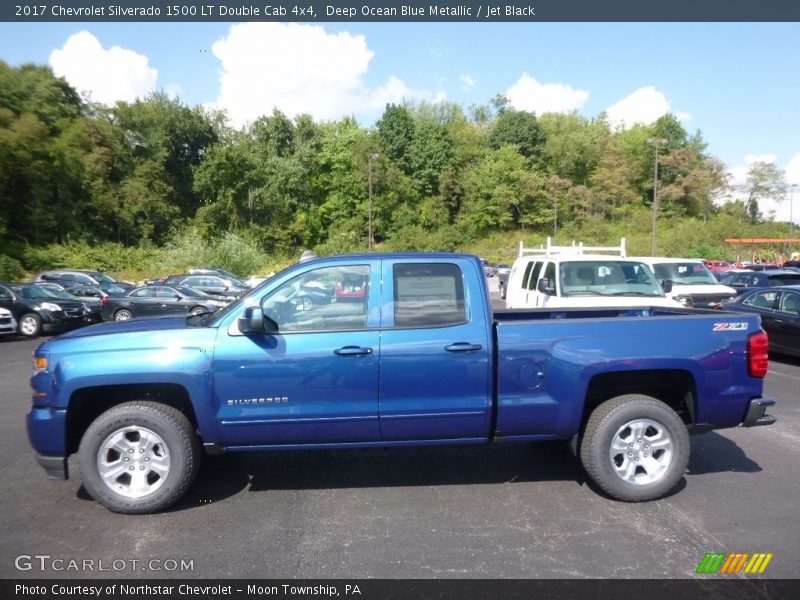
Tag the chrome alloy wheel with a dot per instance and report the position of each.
(641, 451)
(28, 325)
(133, 462)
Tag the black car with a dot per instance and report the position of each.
(210, 284)
(93, 305)
(38, 310)
(68, 277)
(743, 280)
(159, 300)
(779, 308)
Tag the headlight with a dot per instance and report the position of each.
(49, 306)
(685, 300)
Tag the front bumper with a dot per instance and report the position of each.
(46, 432)
(757, 413)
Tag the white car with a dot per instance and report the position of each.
(8, 324)
(582, 277)
(692, 283)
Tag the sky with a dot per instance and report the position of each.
(737, 83)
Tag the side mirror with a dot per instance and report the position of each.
(252, 321)
(545, 286)
(178, 297)
(666, 285)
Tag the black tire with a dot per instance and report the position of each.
(198, 310)
(30, 325)
(123, 314)
(178, 443)
(608, 422)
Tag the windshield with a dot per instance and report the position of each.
(608, 278)
(33, 291)
(62, 294)
(684, 273)
(187, 291)
(102, 277)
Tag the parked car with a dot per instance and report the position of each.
(503, 271)
(779, 309)
(690, 281)
(93, 305)
(8, 324)
(96, 292)
(351, 286)
(744, 279)
(210, 284)
(423, 361)
(83, 276)
(576, 276)
(159, 300)
(488, 268)
(220, 272)
(38, 310)
(718, 265)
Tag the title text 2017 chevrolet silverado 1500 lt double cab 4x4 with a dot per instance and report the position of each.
(418, 358)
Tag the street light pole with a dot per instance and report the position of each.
(371, 158)
(791, 207)
(655, 142)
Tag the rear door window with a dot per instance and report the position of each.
(428, 295)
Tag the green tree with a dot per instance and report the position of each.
(764, 182)
(519, 128)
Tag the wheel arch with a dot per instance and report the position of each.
(676, 388)
(86, 404)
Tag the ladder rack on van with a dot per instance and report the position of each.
(575, 249)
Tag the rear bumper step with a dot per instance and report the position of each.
(757, 413)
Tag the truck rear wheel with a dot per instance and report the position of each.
(635, 448)
(139, 457)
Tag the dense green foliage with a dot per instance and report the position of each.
(155, 186)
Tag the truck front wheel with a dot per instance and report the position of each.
(635, 448)
(139, 457)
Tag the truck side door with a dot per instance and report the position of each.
(315, 379)
(435, 376)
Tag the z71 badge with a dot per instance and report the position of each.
(730, 327)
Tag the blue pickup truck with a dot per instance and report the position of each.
(390, 350)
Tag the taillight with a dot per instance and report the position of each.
(757, 354)
(104, 300)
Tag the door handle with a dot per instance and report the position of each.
(463, 347)
(352, 351)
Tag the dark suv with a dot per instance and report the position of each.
(80, 276)
(37, 309)
(743, 280)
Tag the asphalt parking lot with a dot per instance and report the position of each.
(508, 511)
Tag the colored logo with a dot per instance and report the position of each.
(734, 562)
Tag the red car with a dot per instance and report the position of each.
(718, 265)
(351, 287)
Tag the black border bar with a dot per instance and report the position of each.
(400, 11)
(730, 588)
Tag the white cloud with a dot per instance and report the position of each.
(467, 82)
(644, 106)
(104, 75)
(533, 96)
(299, 69)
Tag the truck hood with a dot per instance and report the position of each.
(708, 289)
(132, 326)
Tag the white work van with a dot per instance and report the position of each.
(582, 276)
(691, 282)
